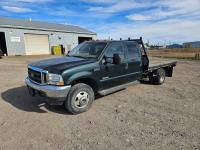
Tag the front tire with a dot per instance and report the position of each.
(79, 99)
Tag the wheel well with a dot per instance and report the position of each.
(92, 83)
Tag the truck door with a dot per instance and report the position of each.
(134, 70)
(113, 74)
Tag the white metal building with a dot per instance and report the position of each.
(26, 37)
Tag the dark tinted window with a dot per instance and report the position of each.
(133, 50)
(115, 48)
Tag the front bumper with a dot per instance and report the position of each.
(49, 91)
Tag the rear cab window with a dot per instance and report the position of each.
(133, 50)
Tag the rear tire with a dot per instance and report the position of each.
(79, 99)
(159, 78)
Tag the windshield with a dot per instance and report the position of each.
(88, 49)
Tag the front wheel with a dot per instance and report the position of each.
(79, 99)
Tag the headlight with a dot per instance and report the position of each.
(54, 79)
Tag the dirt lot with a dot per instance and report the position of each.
(141, 117)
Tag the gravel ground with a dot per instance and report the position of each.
(141, 117)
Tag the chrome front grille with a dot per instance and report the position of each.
(37, 75)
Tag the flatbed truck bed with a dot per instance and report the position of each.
(155, 63)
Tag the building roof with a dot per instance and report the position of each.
(174, 46)
(194, 42)
(38, 25)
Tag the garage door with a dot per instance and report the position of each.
(36, 44)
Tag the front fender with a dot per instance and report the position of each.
(77, 76)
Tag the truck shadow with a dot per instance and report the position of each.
(145, 82)
(20, 98)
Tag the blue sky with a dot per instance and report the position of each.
(158, 21)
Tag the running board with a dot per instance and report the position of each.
(116, 88)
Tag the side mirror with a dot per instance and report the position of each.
(117, 59)
(106, 60)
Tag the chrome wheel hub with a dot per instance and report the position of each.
(162, 78)
(81, 99)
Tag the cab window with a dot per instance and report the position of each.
(133, 51)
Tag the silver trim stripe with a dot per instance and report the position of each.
(119, 76)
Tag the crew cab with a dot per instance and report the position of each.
(94, 68)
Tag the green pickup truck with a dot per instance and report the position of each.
(91, 68)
